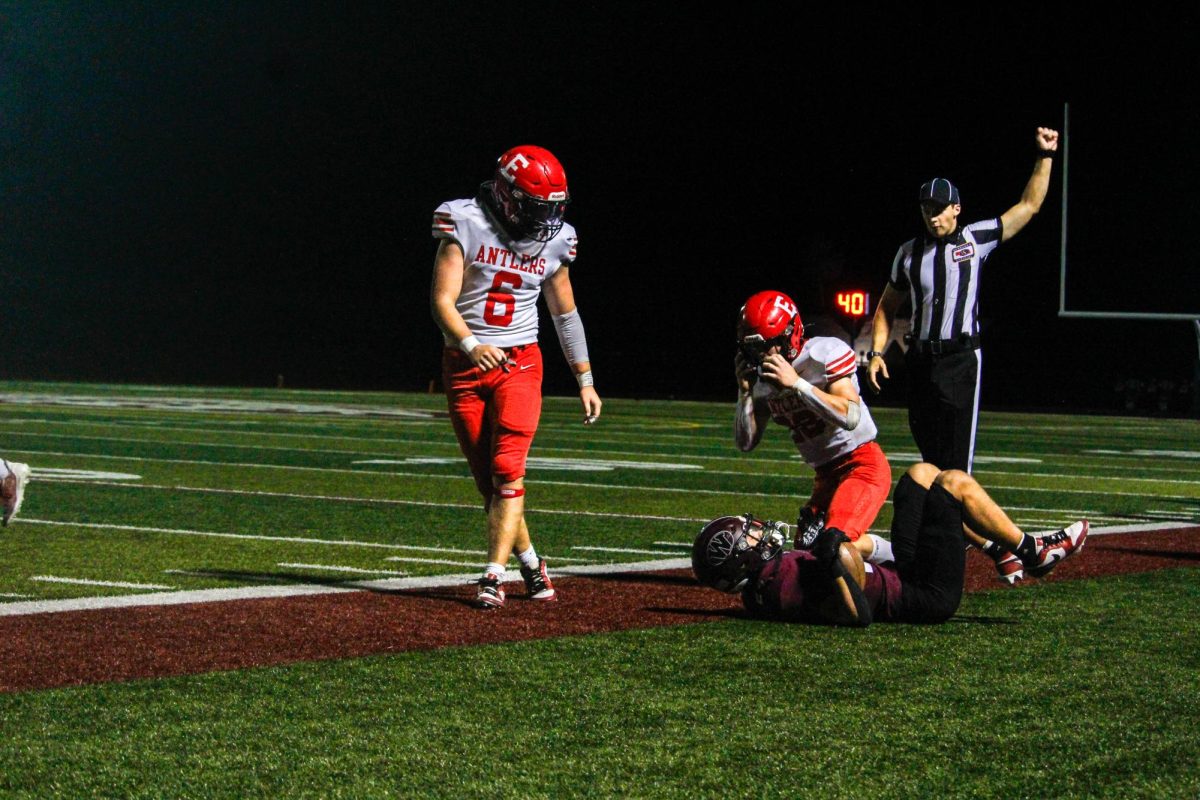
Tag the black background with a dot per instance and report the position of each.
(223, 195)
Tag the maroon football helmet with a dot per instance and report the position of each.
(770, 318)
(530, 193)
(731, 550)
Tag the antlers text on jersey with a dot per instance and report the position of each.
(500, 257)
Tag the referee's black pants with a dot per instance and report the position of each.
(943, 406)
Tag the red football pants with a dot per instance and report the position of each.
(851, 490)
(495, 414)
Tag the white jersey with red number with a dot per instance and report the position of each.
(822, 361)
(502, 278)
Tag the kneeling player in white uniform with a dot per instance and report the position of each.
(811, 387)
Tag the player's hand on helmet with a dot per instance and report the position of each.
(591, 404)
(876, 366)
(746, 372)
(487, 357)
(779, 371)
(1047, 139)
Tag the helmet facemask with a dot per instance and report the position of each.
(529, 193)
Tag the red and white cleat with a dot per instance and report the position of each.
(537, 582)
(491, 593)
(1009, 568)
(1054, 547)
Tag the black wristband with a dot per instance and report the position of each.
(1047, 153)
(874, 353)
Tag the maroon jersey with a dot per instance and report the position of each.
(791, 588)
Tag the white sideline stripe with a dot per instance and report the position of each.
(335, 568)
(390, 584)
(296, 590)
(672, 544)
(1142, 528)
(88, 582)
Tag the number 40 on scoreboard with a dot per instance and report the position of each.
(855, 303)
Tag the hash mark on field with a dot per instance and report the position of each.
(672, 544)
(16, 596)
(87, 582)
(334, 568)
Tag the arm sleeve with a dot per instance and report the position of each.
(747, 428)
(571, 336)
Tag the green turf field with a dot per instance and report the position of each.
(1075, 689)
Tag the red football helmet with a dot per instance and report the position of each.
(731, 550)
(768, 319)
(530, 192)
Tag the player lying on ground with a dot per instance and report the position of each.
(13, 477)
(831, 584)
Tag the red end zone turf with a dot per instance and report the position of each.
(41, 651)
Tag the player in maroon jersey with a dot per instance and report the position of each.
(830, 583)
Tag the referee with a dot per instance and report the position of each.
(939, 270)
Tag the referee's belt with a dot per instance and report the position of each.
(943, 347)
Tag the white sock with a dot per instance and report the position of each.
(883, 550)
(495, 569)
(528, 559)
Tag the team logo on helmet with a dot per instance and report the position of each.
(731, 550)
(770, 319)
(529, 192)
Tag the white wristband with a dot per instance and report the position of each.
(803, 387)
(584, 379)
(468, 344)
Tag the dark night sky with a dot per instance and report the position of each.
(219, 195)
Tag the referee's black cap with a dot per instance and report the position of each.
(941, 190)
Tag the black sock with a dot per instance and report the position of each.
(1027, 549)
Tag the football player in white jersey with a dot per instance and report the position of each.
(496, 253)
(810, 386)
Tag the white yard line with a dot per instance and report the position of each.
(390, 501)
(337, 568)
(90, 582)
(224, 576)
(410, 560)
(295, 590)
(623, 550)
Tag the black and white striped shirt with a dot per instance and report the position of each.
(943, 279)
